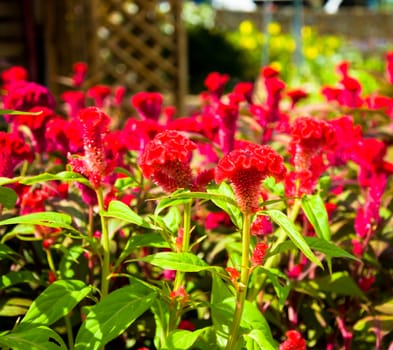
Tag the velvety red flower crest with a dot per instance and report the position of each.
(245, 168)
(294, 341)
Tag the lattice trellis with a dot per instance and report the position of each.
(141, 46)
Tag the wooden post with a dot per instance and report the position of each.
(181, 58)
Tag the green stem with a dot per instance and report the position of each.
(50, 261)
(243, 285)
(105, 246)
(176, 308)
(70, 336)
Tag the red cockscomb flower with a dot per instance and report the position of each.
(12, 75)
(23, 96)
(166, 160)
(93, 164)
(309, 137)
(245, 168)
(294, 341)
(14, 150)
(99, 93)
(148, 104)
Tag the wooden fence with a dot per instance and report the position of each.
(136, 43)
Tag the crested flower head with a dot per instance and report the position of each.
(13, 74)
(148, 104)
(245, 168)
(93, 164)
(309, 136)
(166, 160)
(14, 150)
(23, 96)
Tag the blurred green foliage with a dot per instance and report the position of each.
(242, 53)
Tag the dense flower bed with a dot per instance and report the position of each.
(244, 225)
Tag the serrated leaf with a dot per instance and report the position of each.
(111, 316)
(64, 294)
(185, 262)
(8, 197)
(315, 210)
(17, 277)
(296, 237)
(37, 338)
(122, 211)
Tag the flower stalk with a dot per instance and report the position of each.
(243, 285)
(105, 244)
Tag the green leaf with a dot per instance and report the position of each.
(55, 302)
(173, 219)
(386, 307)
(220, 290)
(17, 277)
(141, 240)
(328, 248)
(8, 197)
(37, 338)
(257, 326)
(185, 262)
(319, 244)
(282, 290)
(339, 283)
(111, 316)
(70, 257)
(65, 176)
(182, 339)
(225, 199)
(7, 253)
(14, 306)
(48, 218)
(14, 112)
(315, 210)
(122, 211)
(296, 237)
(380, 323)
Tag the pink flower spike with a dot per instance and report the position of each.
(389, 66)
(75, 101)
(259, 254)
(215, 83)
(93, 164)
(294, 341)
(119, 93)
(80, 71)
(99, 93)
(148, 104)
(245, 168)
